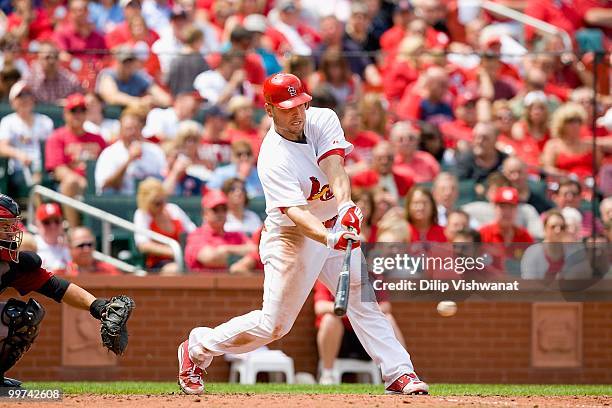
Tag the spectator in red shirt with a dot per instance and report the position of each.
(466, 117)
(120, 34)
(384, 174)
(335, 335)
(29, 23)
(156, 214)
(530, 134)
(404, 70)
(241, 124)
(210, 247)
(503, 232)
(436, 16)
(402, 15)
(241, 41)
(421, 165)
(363, 140)
(565, 153)
(77, 37)
(251, 262)
(503, 119)
(82, 245)
(561, 13)
(216, 148)
(68, 149)
(458, 220)
(288, 33)
(422, 215)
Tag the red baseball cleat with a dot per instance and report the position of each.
(408, 384)
(190, 376)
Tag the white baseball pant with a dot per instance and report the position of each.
(292, 264)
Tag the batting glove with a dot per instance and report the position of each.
(350, 216)
(339, 240)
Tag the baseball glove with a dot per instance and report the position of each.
(115, 315)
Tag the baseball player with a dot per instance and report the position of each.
(310, 218)
(19, 320)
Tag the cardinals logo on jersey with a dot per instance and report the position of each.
(319, 193)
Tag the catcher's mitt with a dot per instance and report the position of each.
(115, 315)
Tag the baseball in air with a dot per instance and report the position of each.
(447, 308)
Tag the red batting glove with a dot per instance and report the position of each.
(350, 217)
(339, 240)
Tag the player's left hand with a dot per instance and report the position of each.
(115, 315)
(350, 217)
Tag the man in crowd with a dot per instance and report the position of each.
(483, 159)
(445, 191)
(130, 159)
(422, 166)
(51, 83)
(82, 245)
(68, 149)
(242, 166)
(50, 239)
(210, 247)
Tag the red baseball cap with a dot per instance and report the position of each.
(75, 100)
(213, 198)
(49, 210)
(285, 91)
(506, 195)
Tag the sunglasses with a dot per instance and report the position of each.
(84, 245)
(561, 227)
(240, 154)
(219, 209)
(55, 221)
(78, 109)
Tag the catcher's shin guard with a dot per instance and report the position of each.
(22, 320)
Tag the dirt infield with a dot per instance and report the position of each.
(316, 400)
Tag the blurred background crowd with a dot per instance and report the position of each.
(467, 126)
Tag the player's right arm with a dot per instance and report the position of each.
(310, 226)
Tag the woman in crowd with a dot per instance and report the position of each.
(373, 114)
(156, 214)
(422, 215)
(335, 72)
(555, 257)
(566, 154)
(192, 172)
(530, 134)
(242, 124)
(239, 218)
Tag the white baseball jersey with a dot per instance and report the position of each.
(289, 171)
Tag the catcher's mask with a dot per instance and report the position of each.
(10, 229)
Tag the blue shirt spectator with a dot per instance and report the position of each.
(105, 18)
(242, 167)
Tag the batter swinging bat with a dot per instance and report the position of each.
(342, 291)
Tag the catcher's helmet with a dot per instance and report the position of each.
(10, 229)
(285, 91)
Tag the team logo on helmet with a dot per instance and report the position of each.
(292, 91)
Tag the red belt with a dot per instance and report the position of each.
(330, 223)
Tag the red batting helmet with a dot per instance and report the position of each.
(285, 91)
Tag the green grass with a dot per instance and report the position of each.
(133, 387)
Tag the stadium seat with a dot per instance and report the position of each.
(349, 365)
(248, 365)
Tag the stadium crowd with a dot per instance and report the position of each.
(467, 127)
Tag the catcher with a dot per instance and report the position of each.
(19, 320)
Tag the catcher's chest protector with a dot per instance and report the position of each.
(22, 320)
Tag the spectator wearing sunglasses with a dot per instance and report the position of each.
(68, 150)
(82, 245)
(555, 257)
(242, 166)
(50, 239)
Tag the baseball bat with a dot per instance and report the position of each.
(342, 290)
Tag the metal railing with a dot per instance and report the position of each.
(527, 20)
(107, 220)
